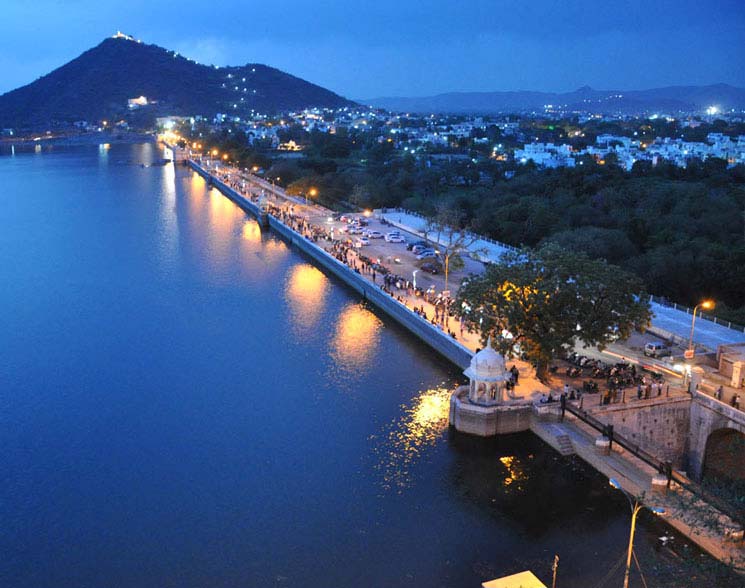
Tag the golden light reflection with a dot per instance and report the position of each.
(223, 217)
(423, 422)
(515, 473)
(252, 231)
(306, 291)
(356, 338)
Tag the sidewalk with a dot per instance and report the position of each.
(698, 521)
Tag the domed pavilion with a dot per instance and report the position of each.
(488, 377)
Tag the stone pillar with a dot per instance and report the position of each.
(697, 377)
(659, 483)
(737, 374)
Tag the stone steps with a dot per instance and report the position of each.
(565, 445)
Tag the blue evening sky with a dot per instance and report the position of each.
(365, 49)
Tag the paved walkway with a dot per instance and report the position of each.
(695, 519)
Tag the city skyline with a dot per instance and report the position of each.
(395, 49)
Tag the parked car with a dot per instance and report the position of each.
(354, 230)
(413, 244)
(432, 268)
(417, 249)
(361, 242)
(656, 349)
(395, 238)
(374, 234)
(427, 253)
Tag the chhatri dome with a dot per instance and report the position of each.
(488, 375)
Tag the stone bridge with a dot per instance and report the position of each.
(716, 439)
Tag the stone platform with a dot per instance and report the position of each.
(487, 421)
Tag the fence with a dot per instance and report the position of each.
(661, 300)
(469, 234)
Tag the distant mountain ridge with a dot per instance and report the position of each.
(97, 84)
(667, 99)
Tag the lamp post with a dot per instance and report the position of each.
(708, 305)
(636, 506)
(312, 192)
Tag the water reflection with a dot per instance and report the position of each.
(305, 291)
(423, 422)
(222, 214)
(169, 231)
(516, 474)
(356, 339)
(252, 232)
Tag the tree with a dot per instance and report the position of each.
(545, 300)
(447, 230)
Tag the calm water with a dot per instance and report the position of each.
(185, 402)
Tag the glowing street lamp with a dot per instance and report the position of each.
(635, 508)
(312, 193)
(215, 153)
(706, 304)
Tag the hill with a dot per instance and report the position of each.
(669, 100)
(97, 84)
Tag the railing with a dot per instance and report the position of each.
(733, 513)
(661, 300)
(470, 234)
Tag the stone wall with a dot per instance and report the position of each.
(658, 426)
(709, 415)
(422, 328)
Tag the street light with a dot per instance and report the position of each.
(312, 192)
(635, 508)
(708, 305)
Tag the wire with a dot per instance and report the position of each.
(638, 567)
(612, 571)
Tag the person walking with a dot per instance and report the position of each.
(563, 402)
(515, 373)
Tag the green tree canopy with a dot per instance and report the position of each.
(550, 298)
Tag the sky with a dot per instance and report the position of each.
(368, 49)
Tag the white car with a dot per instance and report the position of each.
(427, 253)
(395, 238)
(374, 234)
(361, 242)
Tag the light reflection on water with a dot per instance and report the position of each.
(423, 422)
(252, 232)
(169, 230)
(516, 474)
(356, 338)
(305, 291)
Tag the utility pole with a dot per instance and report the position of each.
(554, 568)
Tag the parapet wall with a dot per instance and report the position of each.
(659, 427)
